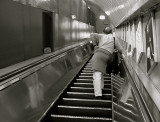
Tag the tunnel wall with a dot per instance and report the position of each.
(133, 38)
(22, 27)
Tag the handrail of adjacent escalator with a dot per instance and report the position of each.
(24, 68)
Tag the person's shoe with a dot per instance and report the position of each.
(98, 97)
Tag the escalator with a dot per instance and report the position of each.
(78, 104)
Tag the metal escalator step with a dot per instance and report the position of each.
(64, 118)
(83, 84)
(86, 95)
(116, 82)
(84, 111)
(84, 80)
(116, 85)
(82, 89)
(89, 63)
(85, 77)
(107, 78)
(117, 79)
(87, 102)
(88, 90)
(129, 106)
(89, 85)
(126, 112)
(88, 74)
(122, 118)
(116, 89)
(91, 81)
(87, 68)
(87, 71)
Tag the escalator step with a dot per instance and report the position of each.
(62, 118)
(87, 71)
(116, 89)
(85, 80)
(87, 102)
(122, 118)
(86, 95)
(84, 111)
(126, 112)
(88, 90)
(119, 83)
(88, 74)
(117, 79)
(89, 85)
(85, 77)
(116, 85)
(91, 81)
(87, 68)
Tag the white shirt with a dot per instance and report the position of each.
(106, 41)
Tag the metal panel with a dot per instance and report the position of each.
(64, 7)
(64, 32)
(55, 31)
(36, 31)
(27, 33)
(74, 30)
(75, 8)
(11, 31)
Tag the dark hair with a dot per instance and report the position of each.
(107, 30)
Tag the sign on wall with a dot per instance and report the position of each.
(149, 44)
(139, 41)
(133, 36)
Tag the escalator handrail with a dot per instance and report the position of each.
(41, 61)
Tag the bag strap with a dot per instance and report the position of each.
(114, 42)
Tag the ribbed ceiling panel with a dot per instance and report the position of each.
(119, 10)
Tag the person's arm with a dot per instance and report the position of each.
(95, 37)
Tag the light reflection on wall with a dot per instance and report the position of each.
(50, 5)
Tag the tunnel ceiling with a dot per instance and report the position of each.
(121, 10)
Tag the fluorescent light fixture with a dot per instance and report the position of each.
(73, 16)
(45, 0)
(102, 17)
(121, 6)
(108, 13)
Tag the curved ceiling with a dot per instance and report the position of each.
(120, 10)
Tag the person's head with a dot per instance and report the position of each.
(107, 30)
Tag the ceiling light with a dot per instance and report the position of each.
(108, 13)
(121, 6)
(73, 16)
(102, 17)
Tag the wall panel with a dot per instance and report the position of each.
(64, 35)
(36, 31)
(11, 33)
(27, 33)
(75, 7)
(64, 7)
